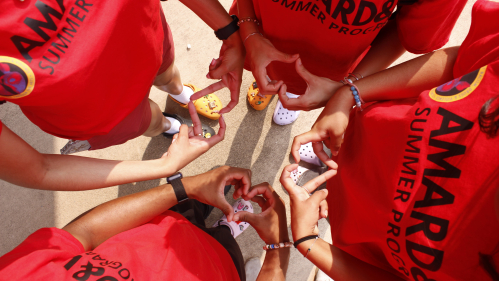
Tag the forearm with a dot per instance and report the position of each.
(121, 214)
(275, 265)
(245, 9)
(22, 165)
(67, 172)
(385, 49)
(339, 265)
(210, 11)
(406, 80)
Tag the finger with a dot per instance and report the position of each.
(287, 182)
(214, 64)
(240, 178)
(208, 90)
(310, 136)
(221, 133)
(196, 123)
(229, 107)
(226, 208)
(318, 197)
(265, 86)
(323, 209)
(287, 58)
(260, 201)
(261, 189)
(245, 216)
(314, 183)
(242, 186)
(336, 145)
(218, 71)
(319, 151)
(234, 96)
(290, 104)
(183, 133)
(302, 71)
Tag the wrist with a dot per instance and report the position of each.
(344, 97)
(190, 187)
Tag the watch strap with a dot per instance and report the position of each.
(178, 187)
(224, 32)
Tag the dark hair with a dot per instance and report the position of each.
(488, 118)
(487, 265)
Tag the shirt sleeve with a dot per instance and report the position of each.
(426, 25)
(40, 254)
(481, 46)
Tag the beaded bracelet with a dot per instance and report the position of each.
(310, 249)
(355, 92)
(251, 34)
(247, 20)
(278, 246)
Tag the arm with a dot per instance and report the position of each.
(271, 226)
(304, 217)
(229, 66)
(260, 51)
(124, 213)
(406, 80)
(385, 49)
(22, 165)
(341, 266)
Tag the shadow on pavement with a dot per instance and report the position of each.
(24, 210)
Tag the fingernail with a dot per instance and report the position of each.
(208, 76)
(299, 62)
(213, 62)
(335, 153)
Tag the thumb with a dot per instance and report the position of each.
(287, 58)
(318, 197)
(217, 72)
(183, 132)
(226, 208)
(302, 71)
(244, 216)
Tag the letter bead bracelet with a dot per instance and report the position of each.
(278, 246)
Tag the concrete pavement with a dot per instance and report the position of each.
(252, 141)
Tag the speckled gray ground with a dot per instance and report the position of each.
(252, 141)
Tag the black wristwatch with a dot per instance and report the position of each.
(178, 187)
(224, 32)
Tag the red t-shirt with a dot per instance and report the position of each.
(332, 36)
(416, 183)
(167, 248)
(77, 68)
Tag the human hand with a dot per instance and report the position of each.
(229, 68)
(271, 223)
(189, 143)
(261, 53)
(328, 128)
(208, 188)
(306, 210)
(319, 91)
